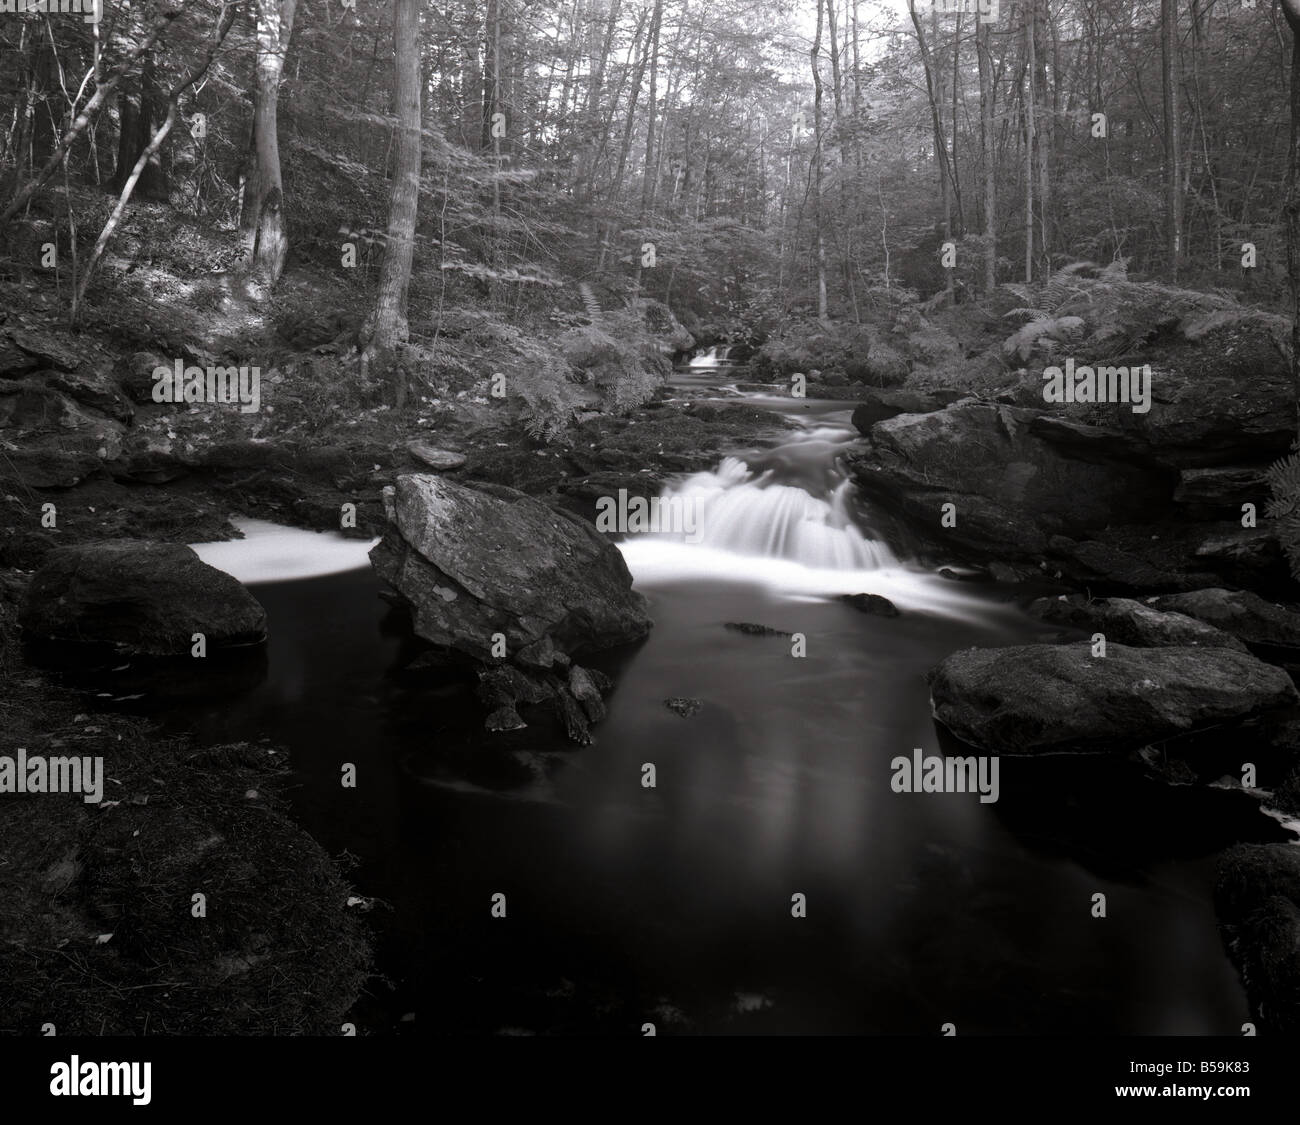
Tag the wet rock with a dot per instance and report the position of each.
(755, 630)
(1238, 612)
(877, 405)
(1128, 622)
(512, 566)
(138, 597)
(1011, 488)
(587, 687)
(441, 459)
(683, 706)
(1060, 698)
(870, 603)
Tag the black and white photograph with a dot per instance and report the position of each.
(630, 519)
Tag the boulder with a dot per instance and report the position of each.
(1012, 488)
(1239, 612)
(473, 562)
(1220, 395)
(138, 598)
(440, 459)
(870, 603)
(1128, 622)
(876, 406)
(1029, 699)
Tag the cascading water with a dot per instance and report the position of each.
(787, 519)
(715, 356)
(752, 513)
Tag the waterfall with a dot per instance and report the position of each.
(715, 356)
(737, 509)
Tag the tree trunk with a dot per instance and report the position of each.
(388, 326)
(265, 235)
(1043, 135)
(648, 174)
(936, 121)
(1031, 133)
(817, 171)
(1169, 87)
(987, 95)
(1291, 9)
(138, 103)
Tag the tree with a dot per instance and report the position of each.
(388, 328)
(988, 93)
(262, 222)
(1291, 9)
(1169, 85)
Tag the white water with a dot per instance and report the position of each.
(754, 530)
(272, 553)
(713, 357)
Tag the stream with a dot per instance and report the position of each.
(672, 905)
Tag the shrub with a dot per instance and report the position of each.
(616, 355)
(808, 345)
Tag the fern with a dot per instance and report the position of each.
(1283, 478)
(589, 301)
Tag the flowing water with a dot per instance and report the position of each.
(672, 905)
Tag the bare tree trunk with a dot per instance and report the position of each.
(1031, 135)
(988, 93)
(633, 97)
(648, 174)
(1169, 87)
(265, 235)
(1043, 136)
(936, 121)
(817, 171)
(1291, 9)
(138, 104)
(387, 327)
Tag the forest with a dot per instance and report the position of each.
(411, 392)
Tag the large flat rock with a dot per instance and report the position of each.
(138, 597)
(1030, 699)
